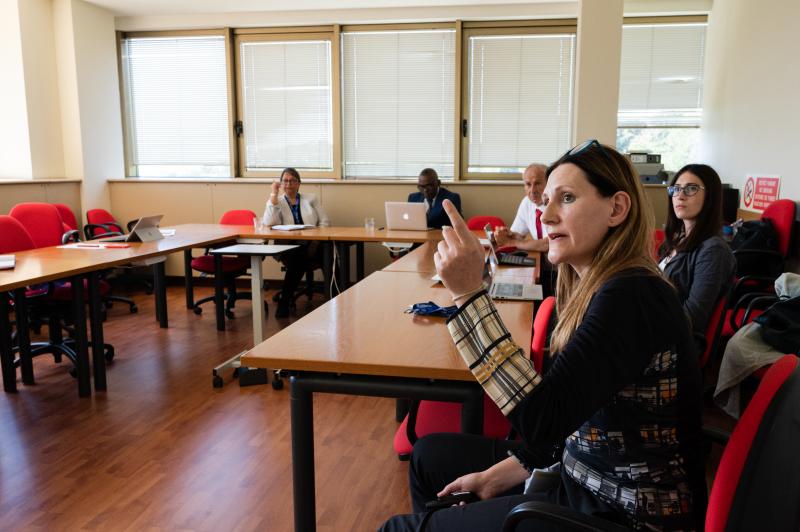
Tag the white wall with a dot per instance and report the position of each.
(752, 89)
(15, 160)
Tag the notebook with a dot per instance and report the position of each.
(407, 216)
(145, 230)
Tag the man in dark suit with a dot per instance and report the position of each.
(432, 194)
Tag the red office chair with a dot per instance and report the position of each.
(232, 267)
(67, 217)
(426, 417)
(44, 224)
(46, 302)
(100, 223)
(658, 238)
(757, 483)
(477, 223)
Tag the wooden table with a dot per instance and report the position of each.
(362, 343)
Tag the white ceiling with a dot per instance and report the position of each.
(181, 7)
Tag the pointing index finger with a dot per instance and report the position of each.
(456, 221)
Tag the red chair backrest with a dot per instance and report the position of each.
(67, 216)
(42, 222)
(102, 217)
(238, 217)
(13, 236)
(714, 328)
(658, 238)
(781, 214)
(540, 325)
(478, 222)
(729, 478)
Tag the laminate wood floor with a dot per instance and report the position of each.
(163, 450)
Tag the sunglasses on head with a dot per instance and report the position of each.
(688, 190)
(583, 146)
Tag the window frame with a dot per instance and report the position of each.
(125, 100)
(411, 26)
(328, 33)
(527, 27)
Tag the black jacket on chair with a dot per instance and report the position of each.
(436, 215)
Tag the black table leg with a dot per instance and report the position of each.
(81, 342)
(359, 261)
(219, 294)
(6, 353)
(327, 268)
(23, 336)
(160, 290)
(98, 343)
(302, 419)
(344, 265)
(187, 278)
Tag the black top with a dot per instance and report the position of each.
(625, 394)
(436, 215)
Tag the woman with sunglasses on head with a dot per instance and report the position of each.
(292, 208)
(622, 393)
(694, 256)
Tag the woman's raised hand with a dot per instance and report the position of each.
(459, 258)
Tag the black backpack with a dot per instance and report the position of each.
(755, 235)
(780, 325)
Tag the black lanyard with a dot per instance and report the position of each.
(298, 218)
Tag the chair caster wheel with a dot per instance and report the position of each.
(197, 310)
(229, 314)
(217, 382)
(134, 309)
(277, 384)
(109, 354)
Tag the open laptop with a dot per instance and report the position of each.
(506, 259)
(145, 230)
(404, 215)
(506, 289)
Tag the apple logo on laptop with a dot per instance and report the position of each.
(405, 216)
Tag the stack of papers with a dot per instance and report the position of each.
(7, 262)
(292, 227)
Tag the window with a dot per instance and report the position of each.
(285, 97)
(661, 90)
(176, 115)
(518, 99)
(398, 102)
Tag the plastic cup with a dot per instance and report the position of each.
(369, 224)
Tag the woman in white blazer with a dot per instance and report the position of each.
(293, 208)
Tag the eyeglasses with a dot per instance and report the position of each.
(426, 187)
(583, 146)
(289, 181)
(688, 190)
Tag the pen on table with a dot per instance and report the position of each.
(381, 228)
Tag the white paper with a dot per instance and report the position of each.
(291, 227)
(7, 262)
(167, 232)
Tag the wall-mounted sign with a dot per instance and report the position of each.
(760, 191)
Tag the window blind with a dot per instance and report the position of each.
(398, 102)
(661, 79)
(177, 106)
(286, 89)
(520, 100)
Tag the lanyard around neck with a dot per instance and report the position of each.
(295, 209)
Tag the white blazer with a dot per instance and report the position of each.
(310, 209)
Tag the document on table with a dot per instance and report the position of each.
(7, 262)
(292, 227)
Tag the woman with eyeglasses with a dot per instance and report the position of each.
(622, 394)
(694, 256)
(293, 208)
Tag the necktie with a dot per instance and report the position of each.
(539, 224)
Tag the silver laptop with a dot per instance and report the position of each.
(505, 289)
(506, 259)
(404, 215)
(145, 230)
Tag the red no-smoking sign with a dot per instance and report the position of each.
(760, 191)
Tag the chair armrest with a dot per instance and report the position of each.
(71, 236)
(108, 230)
(750, 301)
(411, 422)
(759, 303)
(557, 514)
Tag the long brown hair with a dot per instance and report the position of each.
(709, 219)
(625, 246)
